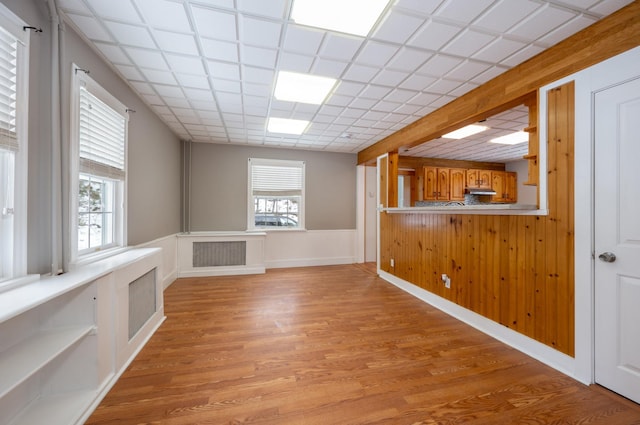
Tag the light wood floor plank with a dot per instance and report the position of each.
(336, 345)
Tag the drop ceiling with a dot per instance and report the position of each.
(208, 67)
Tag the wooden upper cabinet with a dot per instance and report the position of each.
(479, 179)
(436, 184)
(505, 184)
(458, 180)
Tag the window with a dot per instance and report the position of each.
(13, 145)
(276, 194)
(99, 156)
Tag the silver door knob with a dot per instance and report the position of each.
(607, 257)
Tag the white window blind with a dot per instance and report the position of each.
(277, 179)
(8, 89)
(102, 138)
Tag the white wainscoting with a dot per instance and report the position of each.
(169, 247)
(310, 248)
(254, 261)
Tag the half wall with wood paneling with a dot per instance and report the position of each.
(515, 270)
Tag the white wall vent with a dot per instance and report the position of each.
(216, 254)
(142, 301)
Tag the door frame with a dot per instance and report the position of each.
(611, 72)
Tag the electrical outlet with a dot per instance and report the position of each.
(446, 280)
(393, 263)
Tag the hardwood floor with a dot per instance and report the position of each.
(336, 345)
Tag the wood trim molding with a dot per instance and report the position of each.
(606, 38)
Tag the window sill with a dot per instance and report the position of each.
(17, 282)
(96, 256)
(276, 229)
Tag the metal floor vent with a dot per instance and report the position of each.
(215, 254)
(142, 301)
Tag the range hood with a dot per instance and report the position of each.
(480, 191)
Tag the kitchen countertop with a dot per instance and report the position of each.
(487, 209)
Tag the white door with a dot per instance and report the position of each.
(617, 239)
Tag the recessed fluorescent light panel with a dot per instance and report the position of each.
(286, 126)
(350, 16)
(512, 139)
(467, 131)
(303, 88)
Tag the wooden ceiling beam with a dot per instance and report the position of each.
(606, 38)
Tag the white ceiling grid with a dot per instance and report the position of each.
(207, 67)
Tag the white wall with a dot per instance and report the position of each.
(526, 194)
(370, 225)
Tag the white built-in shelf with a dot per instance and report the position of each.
(57, 409)
(19, 362)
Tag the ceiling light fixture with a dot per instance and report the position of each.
(467, 131)
(349, 16)
(512, 139)
(287, 126)
(303, 88)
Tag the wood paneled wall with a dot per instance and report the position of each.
(515, 270)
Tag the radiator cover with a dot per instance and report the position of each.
(216, 254)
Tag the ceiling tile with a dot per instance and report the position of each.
(468, 42)
(339, 47)
(302, 39)
(388, 77)
(160, 77)
(463, 11)
(397, 27)
(505, 14)
(193, 81)
(489, 74)
(225, 71)
(258, 56)
(113, 53)
(121, 10)
(425, 7)
(252, 74)
(227, 86)
(328, 68)
(568, 29)
(349, 88)
(197, 94)
(272, 8)
(467, 70)
(440, 65)
(360, 73)
(408, 59)
(129, 72)
(417, 82)
(433, 35)
(294, 62)
(165, 14)
(542, 22)
(215, 24)
(259, 32)
(499, 50)
(443, 86)
(400, 96)
(90, 27)
(131, 35)
(375, 54)
(186, 64)
(142, 88)
(219, 50)
(375, 92)
(174, 102)
(170, 91)
(179, 43)
(147, 58)
(522, 55)
(256, 89)
(608, 7)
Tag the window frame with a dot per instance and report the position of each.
(81, 256)
(15, 261)
(250, 194)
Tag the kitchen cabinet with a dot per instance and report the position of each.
(504, 183)
(444, 184)
(457, 180)
(479, 179)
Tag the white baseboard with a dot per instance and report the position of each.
(539, 351)
(309, 262)
(222, 271)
